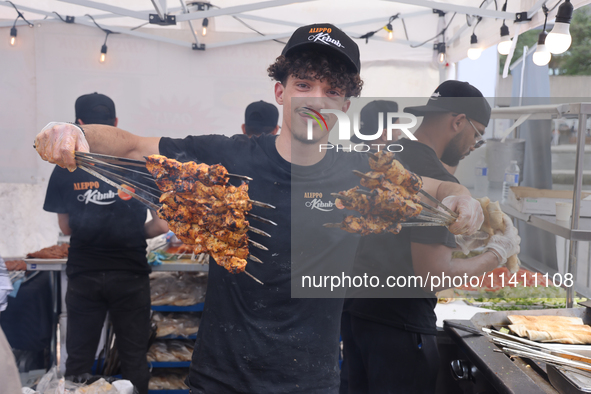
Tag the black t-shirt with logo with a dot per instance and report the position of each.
(394, 252)
(107, 231)
(256, 338)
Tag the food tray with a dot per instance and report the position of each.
(567, 382)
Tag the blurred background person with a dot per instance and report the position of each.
(260, 118)
(369, 123)
(9, 379)
(107, 267)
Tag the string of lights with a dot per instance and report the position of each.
(556, 42)
(103, 56)
(13, 30)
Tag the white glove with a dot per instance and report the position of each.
(57, 142)
(505, 244)
(470, 214)
(470, 242)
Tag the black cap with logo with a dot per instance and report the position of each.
(369, 118)
(95, 108)
(459, 97)
(261, 114)
(327, 36)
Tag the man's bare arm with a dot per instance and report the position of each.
(155, 226)
(113, 141)
(436, 259)
(63, 220)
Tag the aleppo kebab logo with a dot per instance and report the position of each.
(322, 34)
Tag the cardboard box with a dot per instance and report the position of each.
(543, 201)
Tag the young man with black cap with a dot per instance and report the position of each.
(107, 268)
(380, 330)
(369, 123)
(260, 118)
(256, 338)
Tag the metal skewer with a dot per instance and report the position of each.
(261, 204)
(260, 219)
(119, 187)
(123, 179)
(259, 232)
(247, 273)
(439, 204)
(255, 259)
(436, 211)
(115, 159)
(257, 245)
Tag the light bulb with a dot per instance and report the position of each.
(542, 55)
(475, 50)
(13, 36)
(204, 25)
(390, 31)
(474, 53)
(441, 58)
(505, 45)
(559, 39)
(103, 53)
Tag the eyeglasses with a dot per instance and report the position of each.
(479, 140)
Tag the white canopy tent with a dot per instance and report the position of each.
(161, 86)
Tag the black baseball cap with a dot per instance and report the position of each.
(95, 108)
(261, 114)
(326, 36)
(456, 96)
(369, 119)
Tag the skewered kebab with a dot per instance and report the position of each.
(202, 209)
(392, 200)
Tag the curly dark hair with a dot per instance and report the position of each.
(318, 65)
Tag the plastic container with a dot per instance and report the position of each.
(511, 179)
(563, 210)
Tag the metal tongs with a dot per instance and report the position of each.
(119, 171)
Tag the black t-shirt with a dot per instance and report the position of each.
(107, 231)
(256, 338)
(394, 252)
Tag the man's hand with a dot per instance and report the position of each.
(470, 242)
(507, 243)
(470, 214)
(57, 142)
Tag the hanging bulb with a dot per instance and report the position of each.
(559, 39)
(390, 31)
(505, 45)
(441, 57)
(103, 53)
(204, 24)
(474, 51)
(542, 55)
(13, 36)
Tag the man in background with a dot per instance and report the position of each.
(390, 343)
(10, 381)
(107, 268)
(260, 118)
(369, 123)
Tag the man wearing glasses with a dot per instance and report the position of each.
(389, 343)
